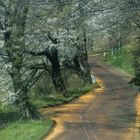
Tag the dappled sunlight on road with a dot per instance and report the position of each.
(60, 120)
(106, 113)
(102, 87)
(136, 130)
(69, 113)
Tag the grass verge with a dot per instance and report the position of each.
(58, 99)
(13, 128)
(121, 59)
(26, 130)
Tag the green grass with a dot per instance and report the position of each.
(26, 130)
(13, 128)
(121, 59)
(57, 99)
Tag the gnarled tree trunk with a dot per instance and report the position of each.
(56, 73)
(15, 20)
(81, 60)
(24, 107)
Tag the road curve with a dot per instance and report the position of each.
(107, 113)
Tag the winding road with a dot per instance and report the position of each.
(107, 113)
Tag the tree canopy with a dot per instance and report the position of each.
(51, 35)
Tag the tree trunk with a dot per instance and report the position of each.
(22, 102)
(57, 79)
(77, 67)
(84, 60)
(82, 57)
(82, 68)
(86, 66)
(24, 107)
(15, 20)
(56, 73)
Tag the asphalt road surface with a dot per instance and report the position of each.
(107, 113)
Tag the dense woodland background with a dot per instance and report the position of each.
(44, 47)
